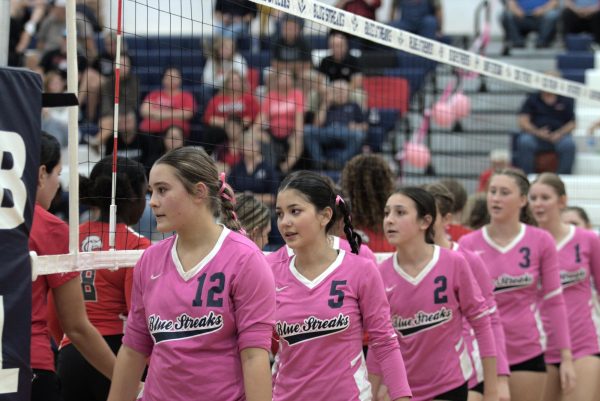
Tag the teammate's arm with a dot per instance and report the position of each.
(70, 309)
(257, 377)
(128, 372)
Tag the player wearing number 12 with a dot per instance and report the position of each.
(203, 301)
(326, 298)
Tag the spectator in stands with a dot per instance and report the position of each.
(364, 8)
(523, 16)
(174, 138)
(340, 126)
(340, 64)
(368, 181)
(499, 159)
(456, 228)
(234, 16)
(51, 29)
(291, 51)
(546, 121)
(229, 152)
(222, 59)
(24, 19)
(252, 173)
(55, 120)
(106, 59)
(576, 216)
(281, 114)
(168, 106)
(422, 17)
(313, 86)
(476, 213)
(592, 128)
(582, 16)
(234, 99)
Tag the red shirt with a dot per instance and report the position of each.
(107, 293)
(484, 179)
(360, 7)
(182, 100)
(455, 231)
(244, 106)
(376, 240)
(49, 236)
(281, 111)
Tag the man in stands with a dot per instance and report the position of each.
(423, 17)
(582, 16)
(523, 16)
(291, 51)
(546, 121)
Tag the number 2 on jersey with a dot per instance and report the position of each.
(335, 292)
(438, 295)
(212, 299)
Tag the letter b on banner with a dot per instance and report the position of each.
(13, 194)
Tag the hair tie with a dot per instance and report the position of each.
(338, 200)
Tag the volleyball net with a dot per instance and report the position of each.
(294, 84)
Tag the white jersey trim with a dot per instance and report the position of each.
(560, 245)
(507, 248)
(419, 277)
(210, 256)
(335, 244)
(552, 294)
(361, 378)
(321, 277)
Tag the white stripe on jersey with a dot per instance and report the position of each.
(595, 306)
(552, 294)
(361, 378)
(484, 313)
(465, 360)
(540, 326)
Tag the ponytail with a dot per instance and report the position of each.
(353, 238)
(227, 202)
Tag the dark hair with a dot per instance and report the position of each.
(319, 191)
(520, 179)
(476, 214)
(580, 212)
(251, 212)
(425, 205)
(368, 181)
(443, 197)
(50, 152)
(131, 189)
(458, 192)
(193, 165)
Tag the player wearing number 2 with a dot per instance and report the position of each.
(522, 262)
(430, 290)
(326, 298)
(203, 301)
(107, 293)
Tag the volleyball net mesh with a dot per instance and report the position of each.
(269, 86)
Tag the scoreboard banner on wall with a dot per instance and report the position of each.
(20, 106)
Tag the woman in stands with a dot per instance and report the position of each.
(579, 265)
(369, 181)
(443, 292)
(326, 298)
(523, 263)
(222, 59)
(50, 236)
(203, 301)
(107, 293)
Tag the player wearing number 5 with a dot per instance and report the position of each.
(523, 264)
(431, 290)
(203, 301)
(326, 298)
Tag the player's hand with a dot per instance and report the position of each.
(503, 389)
(382, 394)
(567, 376)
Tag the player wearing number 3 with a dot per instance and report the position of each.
(523, 263)
(326, 298)
(203, 301)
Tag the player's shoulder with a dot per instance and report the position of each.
(586, 235)
(537, 235)
(473, 236)
(239, 243)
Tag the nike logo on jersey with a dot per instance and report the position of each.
(279, 289)
(390, 289)
(155, 276)
(506, 282)
(408, 326)
(568, 279)
(184, 326)
(311, 328)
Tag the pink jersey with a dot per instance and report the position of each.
(579, 261)
(487, 290)
(427, 312)
(320, 325)
(194, 324)
(337, 243)
(524, 272)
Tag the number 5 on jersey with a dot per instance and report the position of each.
(337, 294)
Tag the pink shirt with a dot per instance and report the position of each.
(337, 243)
(281, 111)
(320, 324)
(487, 290)
(194, 324)
(579, 261)
(525, 272)
(427, 313)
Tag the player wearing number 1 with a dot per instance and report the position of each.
(203, 301)
(107, 293)
(326, 298)
(523, 264)
(431, 290)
